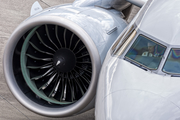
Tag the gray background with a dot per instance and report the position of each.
(12, 13)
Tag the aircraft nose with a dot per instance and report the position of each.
(139, 105)
(126, 92)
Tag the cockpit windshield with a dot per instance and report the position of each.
(172, 64)
(146, 53)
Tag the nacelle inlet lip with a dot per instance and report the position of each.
(11, 81)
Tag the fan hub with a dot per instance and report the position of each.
(64, 60)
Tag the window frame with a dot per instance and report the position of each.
(166, 61)
(139, 64)
(122, 39)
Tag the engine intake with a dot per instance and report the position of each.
(55, 64)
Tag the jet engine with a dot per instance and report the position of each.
(52, 60)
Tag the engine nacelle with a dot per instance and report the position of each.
(52, 60)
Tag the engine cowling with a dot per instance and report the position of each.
(52, 60)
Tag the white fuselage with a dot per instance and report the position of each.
(128, 92)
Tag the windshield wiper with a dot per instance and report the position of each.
(175, 75)
(143, 68)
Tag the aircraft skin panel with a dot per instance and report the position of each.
(134, 104)
(117, 4)
(127, 92)
(162, 20)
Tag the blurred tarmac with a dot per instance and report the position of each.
(12, 13)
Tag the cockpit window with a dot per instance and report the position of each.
(172, 64)
(146, 53)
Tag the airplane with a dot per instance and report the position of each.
(53, 59)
